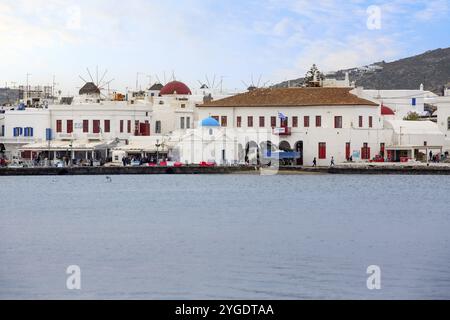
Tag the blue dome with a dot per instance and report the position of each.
(210, 122)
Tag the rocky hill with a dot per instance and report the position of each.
(431, 68)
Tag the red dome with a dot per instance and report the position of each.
(175, 87)
(386, 111)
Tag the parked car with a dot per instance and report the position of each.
(208, 163)
(135, 163)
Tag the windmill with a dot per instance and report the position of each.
(95, 86)
(213, 85)
(252, 86)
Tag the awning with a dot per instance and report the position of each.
(406, 147)
(57, 145)
(282, 155)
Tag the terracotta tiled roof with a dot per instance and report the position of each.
(291, 97)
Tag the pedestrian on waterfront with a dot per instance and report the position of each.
(314, 162)
(332, 162)
(431, 155)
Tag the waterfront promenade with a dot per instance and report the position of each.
(347, 168)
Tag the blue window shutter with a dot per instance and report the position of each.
(20, 131)
(413, 102)
(48, 134)
(15, 132)
(25, 132)
(31, 132)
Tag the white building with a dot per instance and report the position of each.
(442, 103)
(318, 123)
(401, 102)
(88, 122)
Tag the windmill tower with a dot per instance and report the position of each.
(95, 89)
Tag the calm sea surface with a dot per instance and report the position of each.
(225, 236)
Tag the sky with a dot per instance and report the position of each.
(236, 41)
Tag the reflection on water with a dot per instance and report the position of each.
(227, 236)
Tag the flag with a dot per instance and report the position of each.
(281, 116)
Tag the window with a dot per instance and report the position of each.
(318, 121)
(338, 122)
(96, 126)
(183, 105)
(382, 149)
(273, 122)
(238, 121)
(2, 133)
(284, 122)
(322, 150)
(261, 122)
(182, 123)
(365, 152)
(306, 121)
(85, 126)
(58, 126)
(69, 126)
(250, 121)
(360, 121)
(129, 126)
(188, 122)
(413, 101)
(121, 126)
(107, 126)
(28, 132)
(370, 122)
(158, 126)
(223, 121)
(136, 127)
(215, 118)
(17, 131)
(448, 123)
(295, 122)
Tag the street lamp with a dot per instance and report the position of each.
(157, 145)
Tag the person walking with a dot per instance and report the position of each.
(431, 155)
(332, 162)
(314, 162)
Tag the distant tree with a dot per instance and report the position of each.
(412, 116)
(313, 73)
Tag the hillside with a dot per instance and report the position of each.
(431, 68)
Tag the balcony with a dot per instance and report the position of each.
(282, 131)
(64, 136)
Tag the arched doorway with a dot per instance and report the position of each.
(266, 149)
(285, 146)
(252, 153)
(299, 148)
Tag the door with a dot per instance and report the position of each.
(299, 149)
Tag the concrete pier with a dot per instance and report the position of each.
(340, 169)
